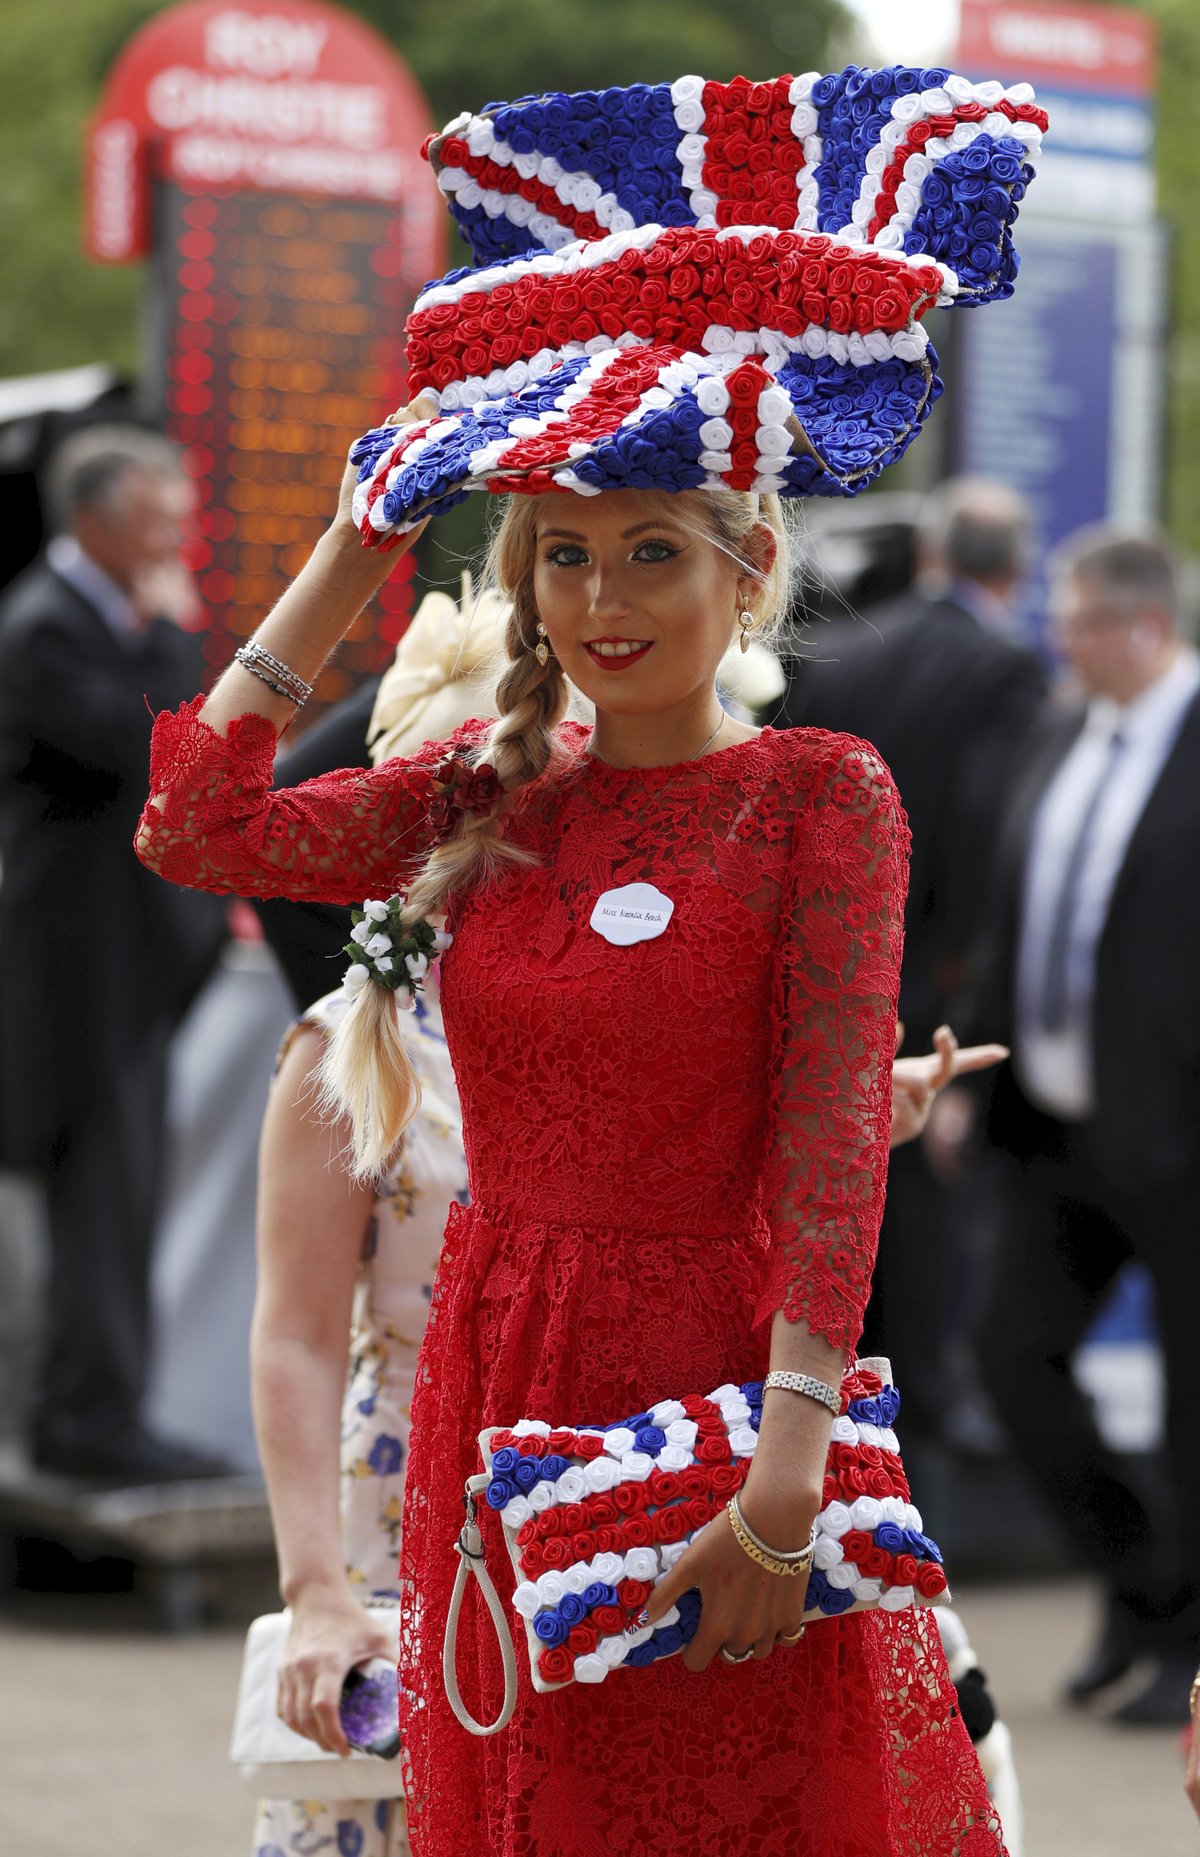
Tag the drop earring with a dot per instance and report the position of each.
(541, 650)
(746, 621)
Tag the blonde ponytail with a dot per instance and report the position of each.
(366, 1073)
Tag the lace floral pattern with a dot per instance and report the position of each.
(333, 840)
(666, 1143)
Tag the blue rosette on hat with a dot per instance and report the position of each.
(701, 285)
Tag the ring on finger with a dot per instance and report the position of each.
(792, 1637)
(736, 1657)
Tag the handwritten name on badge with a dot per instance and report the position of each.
(638, 912)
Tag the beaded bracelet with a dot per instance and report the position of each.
(806, 1383)
(270, 670)
(799, 1560)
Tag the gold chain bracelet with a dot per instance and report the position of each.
(799, 1562)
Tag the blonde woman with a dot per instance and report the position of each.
(671, 994)
(337, 1253)
(677, 1149)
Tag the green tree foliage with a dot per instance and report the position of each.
(57, 309)
(1178, 87)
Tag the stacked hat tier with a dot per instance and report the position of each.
(701, 285)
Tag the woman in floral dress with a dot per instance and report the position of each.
(339, 1258)
(393, 1236)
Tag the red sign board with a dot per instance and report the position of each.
(286, 95)
(1106, 50)
(265, 157)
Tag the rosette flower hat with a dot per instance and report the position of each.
(701, 285)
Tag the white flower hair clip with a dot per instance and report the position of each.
(391, 953)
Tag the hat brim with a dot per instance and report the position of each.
(652, 418)
(820, 376)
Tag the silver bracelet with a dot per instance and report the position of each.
(804, 1554)
(820, 1390)
(266, 677)
(281, 678)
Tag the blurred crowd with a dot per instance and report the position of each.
(1050, 784)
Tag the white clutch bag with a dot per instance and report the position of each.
(276, 1763)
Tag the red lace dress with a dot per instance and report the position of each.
(667, 1143)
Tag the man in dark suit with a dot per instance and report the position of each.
(1094, 981)
(99, 959)
(939, 682)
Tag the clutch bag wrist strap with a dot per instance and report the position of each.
(806, 1383)
(469, 1547)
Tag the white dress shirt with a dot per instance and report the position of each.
(1055, 1068)
(99, 589)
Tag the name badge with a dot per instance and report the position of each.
(637, 912)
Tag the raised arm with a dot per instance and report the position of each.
(211, 821)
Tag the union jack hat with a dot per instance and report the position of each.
(700, 285)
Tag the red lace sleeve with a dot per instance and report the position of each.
(837, 985)
(332, 840)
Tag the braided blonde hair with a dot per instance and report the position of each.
(367, 1074)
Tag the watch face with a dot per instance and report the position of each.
(369, 1709)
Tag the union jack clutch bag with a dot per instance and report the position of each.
(595, 1516)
